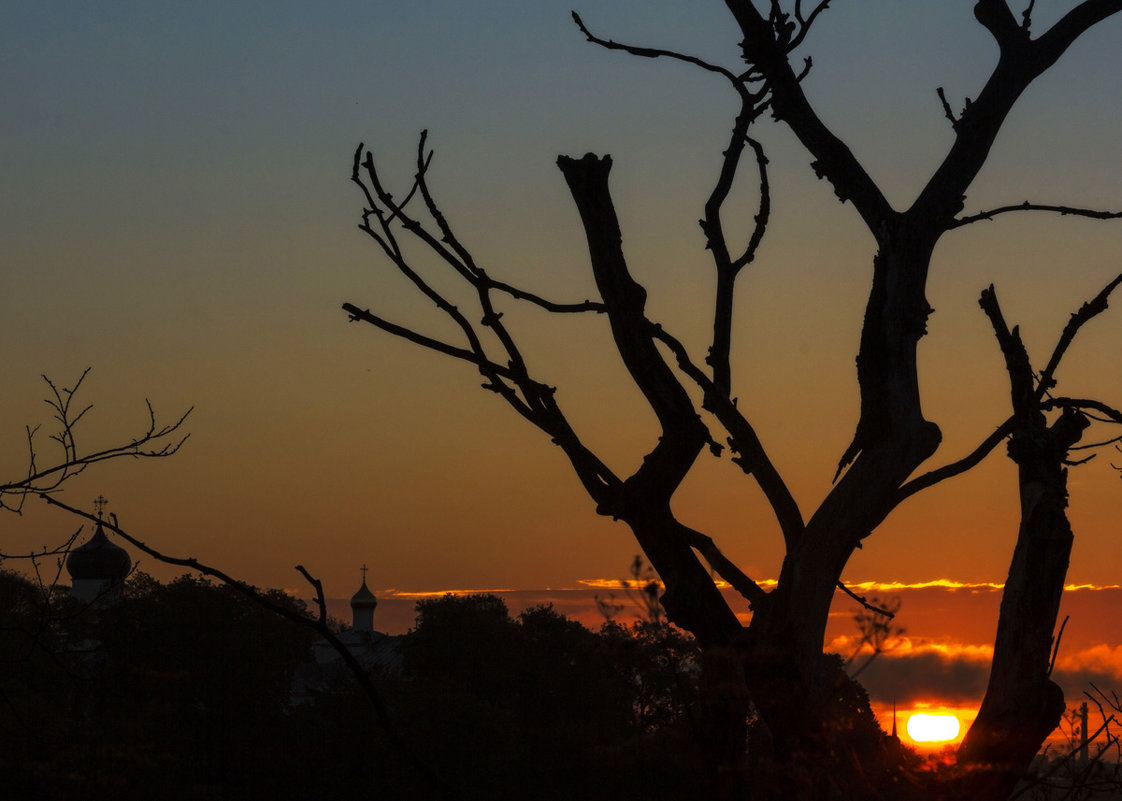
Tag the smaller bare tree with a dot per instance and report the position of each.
(874, 622)
(156, 441)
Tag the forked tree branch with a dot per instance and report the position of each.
(1092, 308)
(753, 104)
(1010, 342)
(507, 376)
(1021, 61)
(834, 161)
(752, 458)
(958, 467)
(805, 22)
(727, 267)
(317, 585)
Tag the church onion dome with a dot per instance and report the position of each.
(364, 598)
(99, 560)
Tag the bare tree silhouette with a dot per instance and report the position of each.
(155, 441)
(777, 665)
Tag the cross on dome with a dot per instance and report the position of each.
(99, 503)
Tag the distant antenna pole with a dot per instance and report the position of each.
(894, 718)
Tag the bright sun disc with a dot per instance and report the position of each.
(932, 728)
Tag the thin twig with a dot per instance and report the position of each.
(864, 602)
(947, 108)
(654, 52)
(1056, 646)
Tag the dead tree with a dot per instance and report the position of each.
(775, 665)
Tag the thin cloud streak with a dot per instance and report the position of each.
(858, 586)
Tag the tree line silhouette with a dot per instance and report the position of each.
(185, 688)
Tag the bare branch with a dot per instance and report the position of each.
(365, 315)
(1096, 445)
(465, 262)
(1092, 308)
(683, 433)
(1062, 210)
(865, 603)
(1021, 61)
(532, 399)
(833, 159)
(1054, 42)
(752, 458)
(317, 585)
(156, 441)
(472, 272)
(958, 467)
(548, 305)
(1082, 404)
(377, 194)
(1011, 340)
(1059, 637)
(947, 108)
(726, 569)
(764, 213)
(1016, 358)
(711, 225)
(61, 551)
(805, 23)
(654, 52)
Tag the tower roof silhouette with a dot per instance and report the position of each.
(99, 559)
(364, 598)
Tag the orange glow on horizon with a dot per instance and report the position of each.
(859, 586)
(442, 593)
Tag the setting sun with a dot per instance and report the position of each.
(927, 728)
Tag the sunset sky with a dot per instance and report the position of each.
(176, 213)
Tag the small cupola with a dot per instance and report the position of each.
(363, 604)
(98, 565)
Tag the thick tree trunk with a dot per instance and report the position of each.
(1022, 705)
(891, 440)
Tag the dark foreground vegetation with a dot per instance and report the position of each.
(184, 691)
